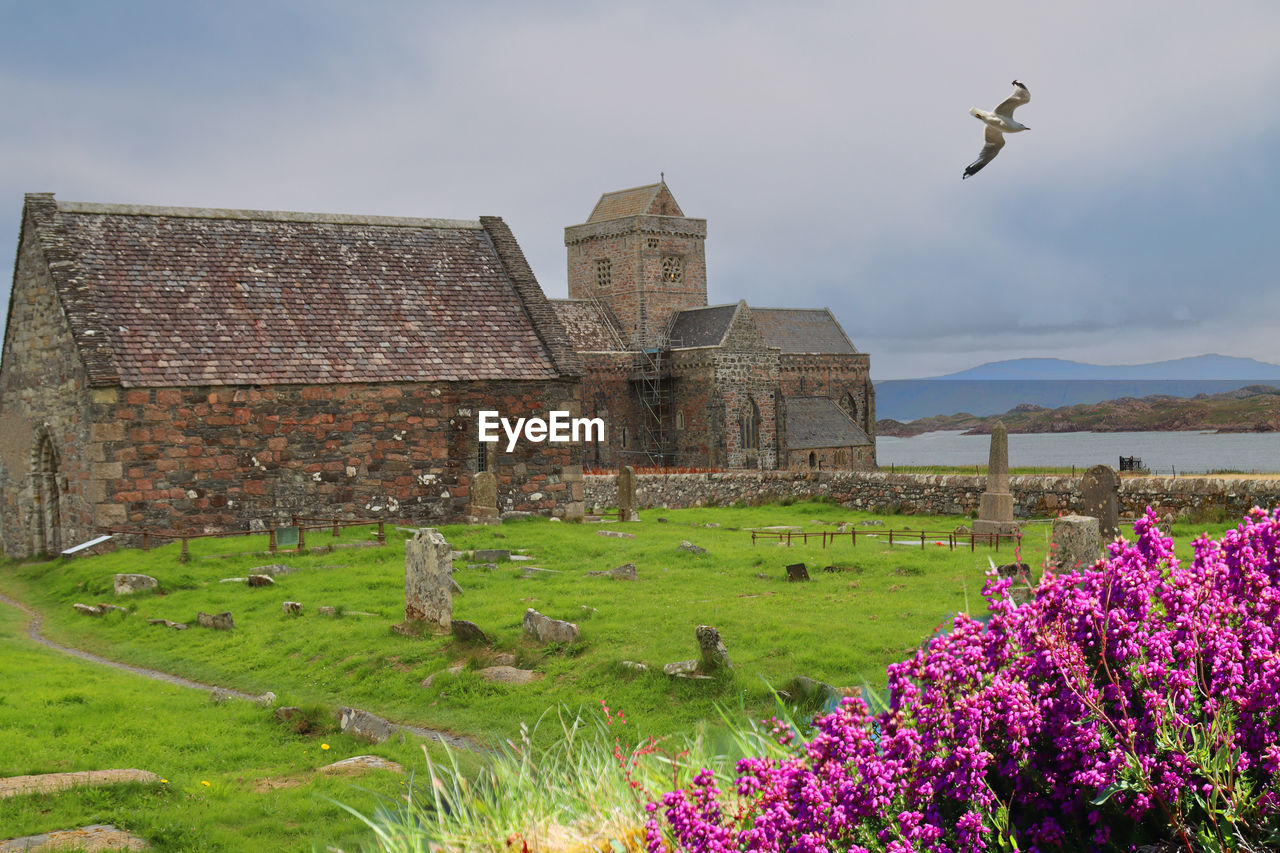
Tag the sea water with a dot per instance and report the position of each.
(1161, 452)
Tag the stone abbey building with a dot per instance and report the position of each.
(195, 369)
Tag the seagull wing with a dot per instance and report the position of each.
(995, 141)
(1019, 97)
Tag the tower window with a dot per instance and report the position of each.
(652, 242)
(604, 272)
(749, 426)
(672, 268)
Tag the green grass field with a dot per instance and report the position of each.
(842, 627)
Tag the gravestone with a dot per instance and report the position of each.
(482, 506)
(798, 572)
(547, 630)
(627, 494)
(995, 507)
(291, 608)
(468, 632)
(1077, 543)
(711, 647)
(625, 572)
(128, 584)
(574, 508)
(215, 621)
(428, 578)
(1100, 498)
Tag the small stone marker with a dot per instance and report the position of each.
(627, 494)
(428, 578)
(680, 667)
(275, 570)
(1020, 590)
(507, 675)
(574, 509)
(362, 724)
(126, 584)
(291, 608)
(689, 548)
(714, 654)
(468, 632)
(88, 609)
(634, 666)
(625, 572)
(265, 700)
(798, 572)
(177, 626)
(358, 764)
(1100, 498)
(482, 506)
(216, 621)
(995, 507)
(547, 630)
(614, 534)
(261, 580)
(490, 555)
(99, 836)
(326, 610)
(1077, 543)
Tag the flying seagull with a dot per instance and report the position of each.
(998, 123)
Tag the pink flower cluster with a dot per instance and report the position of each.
(1133, 703)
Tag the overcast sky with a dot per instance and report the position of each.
(822, 142)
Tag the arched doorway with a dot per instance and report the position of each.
(47, 496)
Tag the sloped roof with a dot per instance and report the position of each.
(180, 296)
(651, 200)
(701, 327)
(819, 422)
(802, 330)
(590, 325)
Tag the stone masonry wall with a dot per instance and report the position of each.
(746, 371)
(221, 457)
(42, 392)
(1190, 497)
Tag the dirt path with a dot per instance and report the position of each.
(35, 620)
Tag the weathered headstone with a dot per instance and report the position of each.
(627, 494)
(291, 608)
(714, 654)
(362, 724)
(689, 548)
(216, 621)
(126, 584)
(88, 609)
(547, 630)
(1020, 590)
(1100, 498)
(1076, 544)
(798, 572)
(574, 509)
(428, 578)
(625, 572)
(261, 580)
(995, 507)
(507, 675)
(468, 632)
(327, 610)
(482, 505)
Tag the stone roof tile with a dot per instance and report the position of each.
(802, 330)
(818, 422)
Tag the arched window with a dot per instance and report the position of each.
(749, 426)
(813, 459)
(850, 406)
(679, 420)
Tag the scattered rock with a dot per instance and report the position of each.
(504, 659)
(291, 608)
(177, 626)
(712, 524)
(362, 724)
(126, 584)
(491, 555)
(112, 608)
(43, 783)
(275, 570)
(219, 696)
(615, 534)
(261, 580)
(797, 572)
(289, 714)
(218, 621)
(88, 609)
(507, 675)
(359, 764)
(690, 548)
(633, 665)
(662, 520)
(547, 630)
(99, 836)
(681, 667)
(468, 632)
(234, 580)
(714, 654)
(327, 611)
(962, 529)
(871, 522)
(625, 572)
(266, 699)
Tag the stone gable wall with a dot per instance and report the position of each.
(831, 375)
(1190, 497)
(43, 388)
(746, 369)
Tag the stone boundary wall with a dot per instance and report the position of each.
(924, 494)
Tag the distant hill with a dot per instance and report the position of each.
(1254, 408)
(999, 386)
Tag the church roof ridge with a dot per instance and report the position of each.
(85, 207)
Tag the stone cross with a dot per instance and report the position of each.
(1100, 498)
(627, 494)
(1076, 543)
(428, 579)
(995, 507)
(482, 506)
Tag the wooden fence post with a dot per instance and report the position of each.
(182, 558)
(382, 534)
(271, 542)
(302, 537)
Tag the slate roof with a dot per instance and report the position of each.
(181, 296)
(819, 422)
(802, 330)
(590, 325)
(701, 327)
(654, 199)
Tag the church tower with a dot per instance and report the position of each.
(640, 255)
